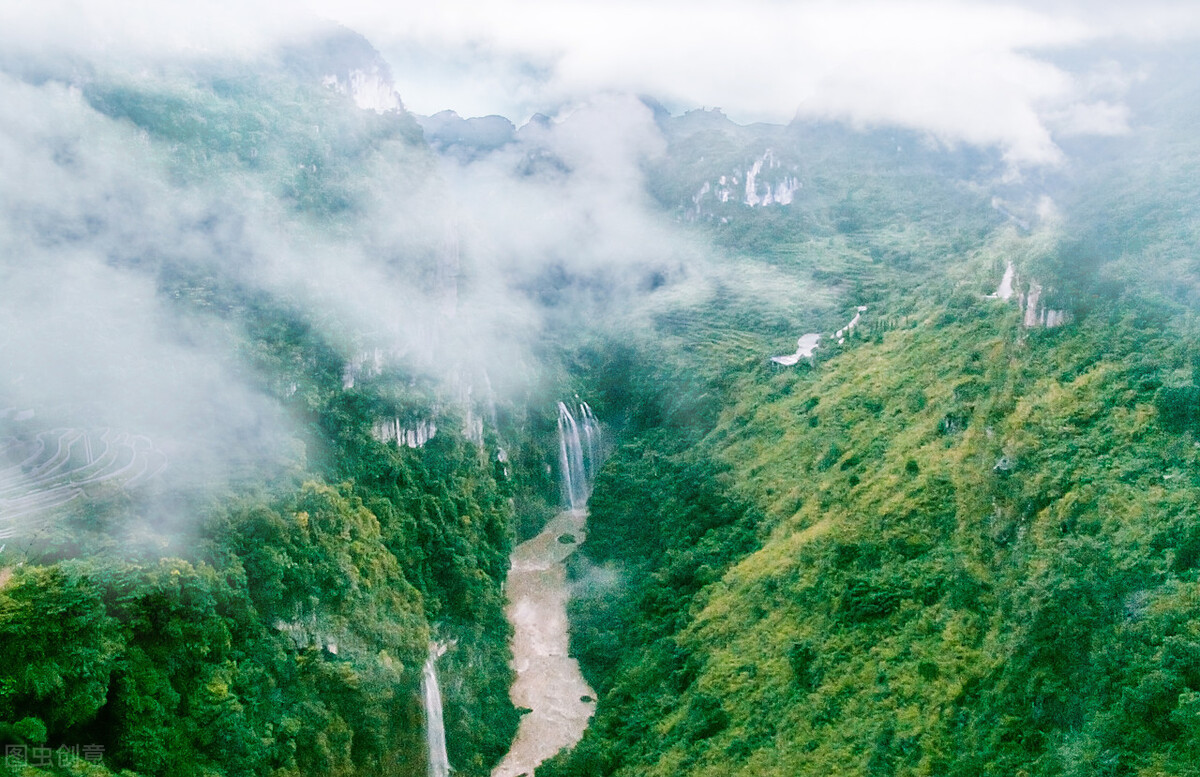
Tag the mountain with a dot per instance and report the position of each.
(449, 133)
(214, 560)
(285, 369)
(955, 541)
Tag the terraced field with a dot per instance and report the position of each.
(47, 470)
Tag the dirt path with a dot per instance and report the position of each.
(548, 680)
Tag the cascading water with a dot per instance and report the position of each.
(435, 730)
(549, 686)
(579, 451)
(591, 440)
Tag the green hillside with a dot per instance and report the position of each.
(273, 620)
(953, 544)
(957, 546)
(307, 399)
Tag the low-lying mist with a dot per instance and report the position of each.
(150, 216)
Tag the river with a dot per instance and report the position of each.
(548, 682)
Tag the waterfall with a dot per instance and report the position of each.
(591, 435)
(435, 731)
(578, 453)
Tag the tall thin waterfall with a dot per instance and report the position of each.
(435, 730)
(580, 448)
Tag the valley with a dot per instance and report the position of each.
(548, 684)
(625, 439)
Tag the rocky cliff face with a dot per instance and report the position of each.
(1028, 296)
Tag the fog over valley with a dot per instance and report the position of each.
(599, 389)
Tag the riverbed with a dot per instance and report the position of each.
(548, 682)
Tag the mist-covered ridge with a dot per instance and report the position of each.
(861, 411)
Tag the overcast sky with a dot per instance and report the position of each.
(975, 72)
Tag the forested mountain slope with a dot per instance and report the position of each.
(977, 556)
(957, 543)
(278, 378)
(261, 597)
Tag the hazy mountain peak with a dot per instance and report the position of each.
(448, 132)
(345, 61)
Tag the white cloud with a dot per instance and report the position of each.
(146, 27)
(965, 72)
(1097, 118)
(974, 72)
(86, 332)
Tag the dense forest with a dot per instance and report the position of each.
(958, 537)
(959, 547)
(288, 636)
(955, 542)
(275, 622)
